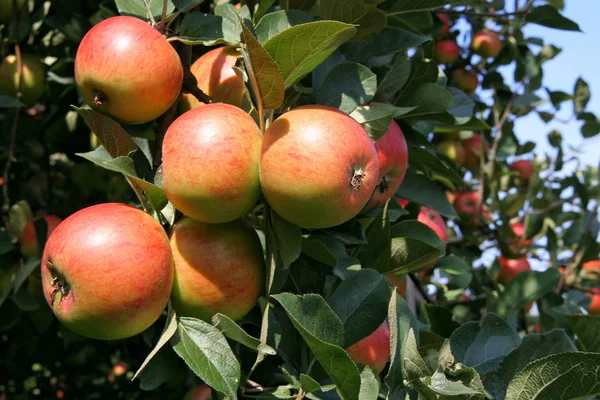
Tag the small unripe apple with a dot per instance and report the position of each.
(524, 169)
(318, 166)
(374, 350)
(107, 271)
(33, 82)
(509, 268)
(519, 240)
(127, 70)
(473, 148)
(219, 268)
(7, 10)
(210, 163)
(446, 52)
(466, 80)
(199, 392)
(29, 245)
(216, 78)
(486, 44)
(454, 150)
(445, 26)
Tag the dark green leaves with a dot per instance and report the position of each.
(288, 237)
(138, 8)
(208, 30)
(420, 189)
(278, 21)
(377, 117)
(550, 17)
(388, 41)
(526, 287)
(367, 17)
(414, 245)
(587, 329)
(347, 86)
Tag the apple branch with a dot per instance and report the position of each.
(190, 84)
(419, 286)
(163, 16)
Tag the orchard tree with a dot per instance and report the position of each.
(288, 199)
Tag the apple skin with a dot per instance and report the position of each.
(318, 166)
(466, 80)
(116, 267)
(445, 27)
(374, 350)
(210, 163)
(465, 204)
(434, 220)
(524, 168)
(486, 44)
(509, 268)
(519, 240)
(593, 265)
(199, 392)
(29, 246)
(33, 84)
(473, 148)
(446, 52)
(454, 150)
(594, 307)
(218, 269)
(392, 153)
(400, 282)
(127, 70)
(217, 78)
(7, 10)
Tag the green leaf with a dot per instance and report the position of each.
(439, 319)
(300, 49)
(159, 369)
(458, 271)
(19, 215)
(532, 348)
(462, 106)
(263, 7)
(208, 30)
(288, 237)
(483, 345)
(360, 302)
(377, 117)
(186, 5)
(549, 16)
(559, 376)
(9, 102)
(376, 252)
(347, 86)
(388, 41)
(308, 384)
(395, 79)
(425, 160)
(414, 245)
(415, 367)
(24, 271)
(525, 288)
(406, 6)
(6, 245)
(368, 18)
(587, 329)
(419, 189)
(445, 387)
(206, 351)
(369, 385)
(234, 332)
(278, 21)
(138, 9)
(430, 98)
(581, 96)
(111, 135)
(590, 128)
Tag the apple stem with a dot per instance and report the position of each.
(357, 178)
(60, 286)
(384, 184)
(99, 97)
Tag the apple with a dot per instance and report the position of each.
(373, 350)
(127, 70)
(210, 163)
(445, 26)
(593, 265)
(29, 245)
(7, 10)
(519, 240)
(392, 153)
(33, 83)
(466, 80)
(107, 271)
(594, 307)
(509, 268)
(446, 52)
(119, 369)
(318, 166)
(217, 78)
(524, 168)
(453, 149)
(219, 268)
(400, 282)
(199, 392)
(465, 204)
(434, 220)
(486, 44)
(473, 148)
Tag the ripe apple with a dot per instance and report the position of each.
(594, 307)
(219, 268)
(486, 44)
(33, 83)
(7, 10)
(318, 166)
(454, 150)
(392, 153)
(524, 168)
(593, 265)
(107, 271)
(199, 392)
(473, 149)
(519, 240)
(400, 282)
(126, 69)
(446, 52)
(465, 204)
(29, 245)
(434, 220)
(509, 268)
(217, 78)
(374, 350)
(210, 163)
(465, 79)
(445, 27)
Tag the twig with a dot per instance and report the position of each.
(190, 84)
(163, 16)
(300, 394)
(420, 288)
(149, 12)
(524, 11)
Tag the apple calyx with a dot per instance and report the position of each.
(357, 178)
(59, 284)
(99, 97)
(384, 184)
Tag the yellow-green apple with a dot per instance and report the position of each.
(219, 268)
(465, 204)
(509, 268)
(594, 307)
(107, 271)
(318, 166)
(7, 10)
(446, 52)
(519, 241)
(210, 163)
(453, 149)
(127, 70)
(33, 78)
(29, 245)
(524, 168)
(473, 148)
(392, 153)
(373, 350)
(199, 392)
(217, 78)
(465, 79)
(445, 28)
(486, 44)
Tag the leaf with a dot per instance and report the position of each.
(159, 369)
(112, 136)
(267, 80)
(439, 319)
(458, 271)
(9, 102)
(137, 8)
(559, 376)
(532, 348)
(347, 86)
(233, 331)
(263, 7)
(430, 98)
(360, 302)
(388, 41)
(445, 387)
(376, 252)
(19, 215)
(483, 345)
(421, 190)
(369, 385)
(395, 79)
(414, 245)
(206, 351)
(549, 16)
(186, 5)
(208, 30)
(368, 18)
(288, 237)
(278, 21)
(581, 96)
(462, 106)
(377, 117)
(587, 329)
(526, 287)
(24, 271)
(300, 49)
(414, 365)
(406, 6)
(308, 384)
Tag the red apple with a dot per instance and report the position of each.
(454, 150)
(473, 148)
(519, 240)
(594, 307)
(107, 271)
(210, 163)
(445, 26)
(318, 166)
(446, 52)
(374, 350)
(33, 82)
(199, 392)
(217, 78)
(465, 79)
(392, 153)
(219, 268)
(486, 44)
(593, 265)
(29, 245)
(509, 268)
(119, 369)
(400, 282)
(465, 204)
(524, 168)
(126, 69)
(435, 221)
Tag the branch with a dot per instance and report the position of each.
(419, 286)
(524, 11)
(190, 84)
